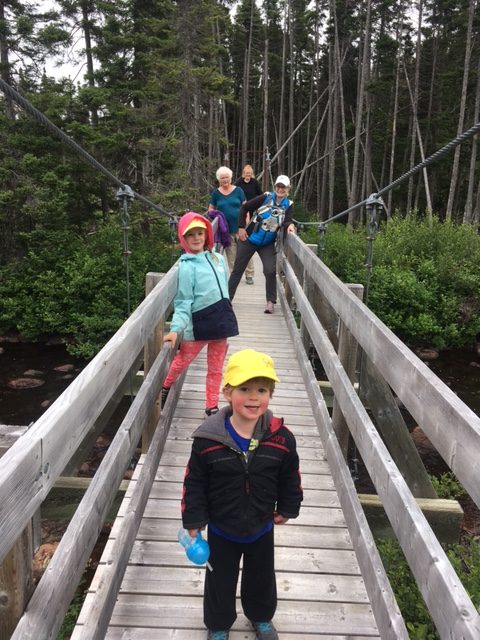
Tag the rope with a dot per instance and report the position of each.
(42, 119)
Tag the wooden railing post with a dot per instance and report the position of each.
(308, 291)
(152, 348)
(16, 583)
(347, 353)
(16, 571)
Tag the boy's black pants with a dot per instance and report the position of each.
(258, 587)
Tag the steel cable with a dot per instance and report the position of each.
(42, 119)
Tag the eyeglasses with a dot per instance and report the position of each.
(280, 186)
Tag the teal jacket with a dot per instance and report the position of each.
(197, 288)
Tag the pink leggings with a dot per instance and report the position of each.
(189, 350)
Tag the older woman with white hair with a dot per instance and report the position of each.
(228, 199)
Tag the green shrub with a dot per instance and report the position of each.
(425, 282)
(72, 614)
(447, 486)
(465, 559)
(75, 286)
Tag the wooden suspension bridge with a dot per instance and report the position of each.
(331, 582)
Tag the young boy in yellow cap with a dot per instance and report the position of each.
(242, 478)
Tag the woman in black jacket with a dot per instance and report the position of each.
(251, 188)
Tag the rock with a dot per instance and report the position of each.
(11, 338)
(67, 376)
(42, 558)
(25, 383)
(427, 354)
(33, 372)
(2, 350)
(54, 341)
(102, 442)
(64, 368)
(45, 404)
(475, 364)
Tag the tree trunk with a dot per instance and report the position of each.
(265, 114)
(224, 109)
(461, 115)
(395, 109)
(5, 68)
(339, 75)
(363, 77)
(422, 153)
(468, 212)
(291, 92)
(415, 106)
(281, 118)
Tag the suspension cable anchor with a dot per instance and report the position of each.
(125, 192)
(322, 230)
(372, 204)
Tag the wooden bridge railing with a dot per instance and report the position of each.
(451, 426)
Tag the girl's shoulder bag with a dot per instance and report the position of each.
(216, 321)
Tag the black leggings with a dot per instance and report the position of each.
(258, 588)
(245, 251)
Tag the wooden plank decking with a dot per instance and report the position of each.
(320, 588)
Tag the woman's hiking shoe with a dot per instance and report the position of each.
(269, 307)
(217, 635)
(265, 630)
(211, 412)
(163, 396)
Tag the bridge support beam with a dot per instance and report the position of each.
(444, 516)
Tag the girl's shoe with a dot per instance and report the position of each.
(265, 630)
(211, 412)
(269, 307)
(163, 396)
(217, 635)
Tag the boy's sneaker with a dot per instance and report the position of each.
(269, 307)
(163, 396)
(212, 411)
(265, 630)
(217, 635)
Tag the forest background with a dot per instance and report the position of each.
(343, 97)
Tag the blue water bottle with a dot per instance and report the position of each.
(197, 548)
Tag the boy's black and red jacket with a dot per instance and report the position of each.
(239, 492)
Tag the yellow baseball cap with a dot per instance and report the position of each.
(247, 364)
(199, 224)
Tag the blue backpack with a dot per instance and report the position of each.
(266, 221)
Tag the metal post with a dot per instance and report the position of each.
(322, 230)
(124, 196)
(374, 201)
